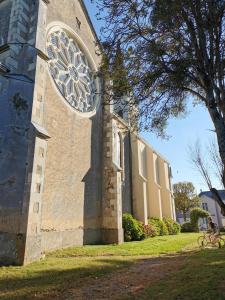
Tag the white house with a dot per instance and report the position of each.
(209, 204)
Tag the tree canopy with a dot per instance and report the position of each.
(185, 197)
(172, 49)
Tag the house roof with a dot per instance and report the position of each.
(209, 194)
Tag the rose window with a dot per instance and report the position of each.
(71, 71)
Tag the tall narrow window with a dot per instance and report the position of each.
(156, 169)
(142, 160)
(167, 177)
(117, 148)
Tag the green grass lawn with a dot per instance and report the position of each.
(152, 246)
(201, 278)
(62, 269)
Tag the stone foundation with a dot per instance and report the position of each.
(112, 236)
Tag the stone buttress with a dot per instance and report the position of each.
(112, 179)
(22, 136)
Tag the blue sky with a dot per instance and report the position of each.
(182, 132)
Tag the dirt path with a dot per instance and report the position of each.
(125, 283)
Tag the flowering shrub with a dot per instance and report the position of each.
(159, 225)
(149, 230)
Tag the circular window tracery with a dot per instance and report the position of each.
(71, 71)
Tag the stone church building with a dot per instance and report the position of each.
(69, 167)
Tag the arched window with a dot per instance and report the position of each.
(117, 148)
(142, 160)
(156, 167)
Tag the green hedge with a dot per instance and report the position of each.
(133, 229)
(172, 226)
(159, 225)
(187, 227)
(136, 231)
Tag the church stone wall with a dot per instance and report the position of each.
(5, 8)
(17, 135)
(117, 197)
(62, 182)
(152, 194)
(50, 156)
(71, 205)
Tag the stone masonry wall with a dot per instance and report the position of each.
(71, 205)
(17, 134)
(113, 179)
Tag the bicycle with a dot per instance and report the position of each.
(211, 239)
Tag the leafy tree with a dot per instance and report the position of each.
(185, 197)
(172, 49)
(119, 75)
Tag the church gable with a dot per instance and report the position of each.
(73, 14)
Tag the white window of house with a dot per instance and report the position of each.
(142, 160)
(156, 168)
(205, 206)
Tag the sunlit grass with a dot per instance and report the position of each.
(201, 278)
(65, 268)
(151, 246)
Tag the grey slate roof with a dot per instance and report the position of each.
(209, 194)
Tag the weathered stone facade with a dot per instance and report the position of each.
(50, 161)
(66, 166)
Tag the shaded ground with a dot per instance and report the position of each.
(128, 283)
(122, 272)
(198, 275)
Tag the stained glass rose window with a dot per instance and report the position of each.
(71, 71)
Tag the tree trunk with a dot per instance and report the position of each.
(220, 133)
(218, 199)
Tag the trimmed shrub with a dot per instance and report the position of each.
(133, 230)
(172, 226)
(195, 215)
(149, 230)
(159, 225)
(154, 222)
(176, 228)
(187, 227)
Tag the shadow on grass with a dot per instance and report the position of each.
(51, 279)
(32, 281)
(41, 282)
(201, 277)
